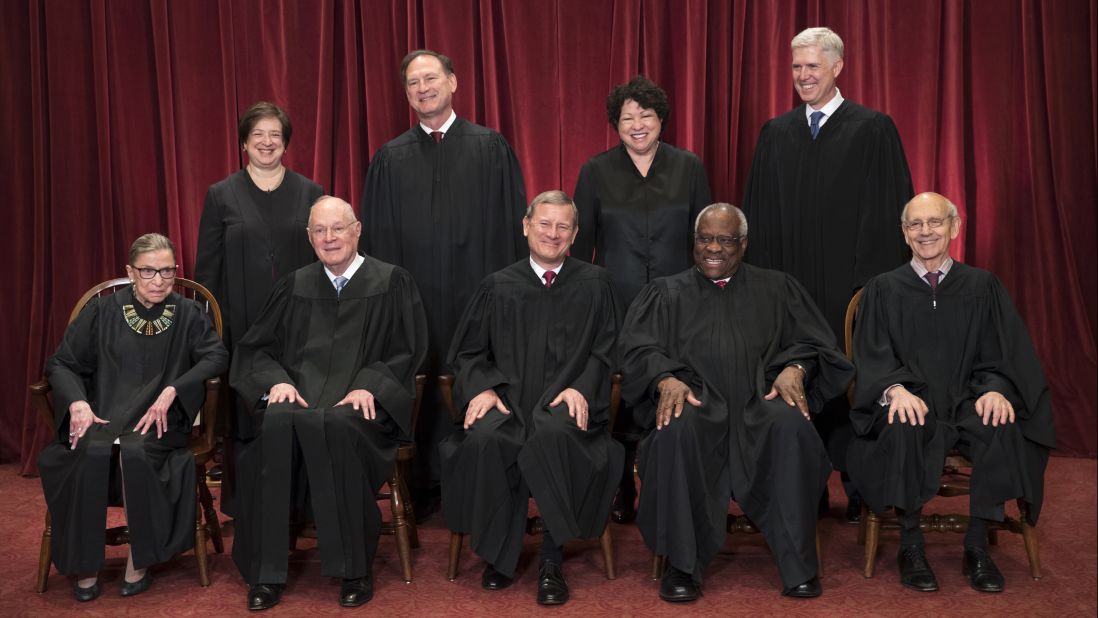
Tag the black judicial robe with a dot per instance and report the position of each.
(328, 460)
(451, 214)
(827, 211)
(120, 373)
(971, 343)
(728, 345)
(639, 227)
(529, 343)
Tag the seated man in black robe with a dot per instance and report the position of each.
(737, 357)
(945, 361)
(532, 357)
(329, 369)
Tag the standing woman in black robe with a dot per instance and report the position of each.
(127, 381)
(637, 203)
(252, 233)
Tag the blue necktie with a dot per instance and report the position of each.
(814, 123)
(339, 283)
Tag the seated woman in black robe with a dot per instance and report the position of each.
(127, 381)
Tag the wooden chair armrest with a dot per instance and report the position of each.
(39, 395)
(206, 438)
(446, 388)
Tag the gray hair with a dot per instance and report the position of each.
(824, 38)
(951, 208)
(723, 207)
(557, 197)
(348, 210)
(150, 242)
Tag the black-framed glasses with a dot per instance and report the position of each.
(728, 242)
(148, 273)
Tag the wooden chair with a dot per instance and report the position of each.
(202, 440)
(955, 482)
(534, 525)
(403, 523)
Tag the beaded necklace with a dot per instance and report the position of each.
(141, 326)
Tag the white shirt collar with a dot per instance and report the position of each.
(445, 126)
(830, 108)
(921, 270)
(351, 270)
(540, 272)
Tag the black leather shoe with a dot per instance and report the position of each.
(130, 589)
(215, 474)
(492, 579)
(90, 593)
(854, 509)
(915, 572)
(552, 589)
(264, 596)
(624, 509)
(808, 590)
(982, 573)
(355, 592)
(678, 587)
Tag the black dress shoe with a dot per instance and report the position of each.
(678, 587)
(130, 589)
(355, 592)
(854, 509)
(624, 509)
(915, 571)
(552, 589)
(264, 596)
(90, 593)
(808, 590)
(215, 474)
(982, 573)
(492, 579)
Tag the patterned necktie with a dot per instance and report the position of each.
(339, 283)
(721, 284)
(437, 135)
(814, 124)
(549, 276)
(932, 279)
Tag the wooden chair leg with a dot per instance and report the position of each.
(992, 536)
(409, 513)
(1029, 537)
(607, 543)
(200, 546)
(819, 555)
(400, 525)
(213, 525)
(659, 565)
(861, 524)
(44, 556)
(872, 534)
(455, 555)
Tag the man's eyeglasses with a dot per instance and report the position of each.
(915, 226)
(728, 242)
(149, 273)
(321, 232)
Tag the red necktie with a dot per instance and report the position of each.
(932, 279)
(549, 276)
(720, 284)
(437, 135)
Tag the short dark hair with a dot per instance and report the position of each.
(258, 111)
(642, 90)
(447, 64)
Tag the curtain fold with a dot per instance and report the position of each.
(116, 117)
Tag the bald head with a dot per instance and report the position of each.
(334, 233)
(931, 199)
(333, 205)
(724, 209)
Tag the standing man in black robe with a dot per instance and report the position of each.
(329, 368)
(533, 356)
(443, 200)
(730, 361)
(945, 361)
(826, 187)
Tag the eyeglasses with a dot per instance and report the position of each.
(728, 242)
(562, 228)
(148, 273)
(321, 232)
(915, 226)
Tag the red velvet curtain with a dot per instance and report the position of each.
(116, 116)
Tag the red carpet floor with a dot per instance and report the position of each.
(741, 581)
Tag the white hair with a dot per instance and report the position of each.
(824, 38)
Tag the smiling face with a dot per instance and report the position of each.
(638, 127)
(713, 258)
(429, 89)
(814, 75)
(264, 145)
(334, 233)
(550, 231)
(151, 291)
(928, 244)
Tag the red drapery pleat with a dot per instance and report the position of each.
(116, 117)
